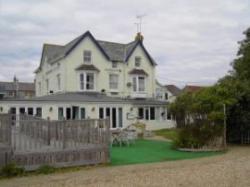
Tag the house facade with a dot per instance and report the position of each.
(89, 78)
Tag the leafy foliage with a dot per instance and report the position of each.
(11, 170)
(198, 136)
(233, 90)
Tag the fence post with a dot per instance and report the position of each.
(48, 137)
(64, 134)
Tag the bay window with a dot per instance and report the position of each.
(87, 81)
(139, 84)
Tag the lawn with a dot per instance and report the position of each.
(170, 134)
(146, 151)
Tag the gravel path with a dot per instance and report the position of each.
(230, 169)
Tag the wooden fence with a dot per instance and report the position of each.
(245, 137)
(31, 141)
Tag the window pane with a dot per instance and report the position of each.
(68, 113)
(152, 113)
(39, 112)
(147, 113)
(107, 112)
(141, 84)
(137, 61)
(90, 81)
(22, 110)
(134, 84)
(83, 115)
(82, 81)
(87, 56)
(120, 117)
(101, 113)
(75, 112)
(113, 81)
(30, 111)
(60, 113)
(140, 113)
(114, 117)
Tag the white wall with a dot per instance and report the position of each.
(92, 111)
(70, 77)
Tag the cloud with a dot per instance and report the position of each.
(192, 41)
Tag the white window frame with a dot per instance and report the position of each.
(84, 73)
(137, 83)
(86, 57)
(117, 75)
(149, 113)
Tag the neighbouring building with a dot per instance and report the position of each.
(192, 88)
(90, 78)
(17, 89)
(167, 92)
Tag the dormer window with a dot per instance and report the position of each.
(87, 57)
(137, 61)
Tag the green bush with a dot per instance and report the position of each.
(46, 169)
(11, 170)
(197, 136)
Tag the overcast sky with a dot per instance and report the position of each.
(192, 41)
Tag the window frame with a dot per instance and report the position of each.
(85, 57)
(136, 85)
(117, 81)
(137, 61)
(83, 82)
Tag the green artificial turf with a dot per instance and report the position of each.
(146, 151)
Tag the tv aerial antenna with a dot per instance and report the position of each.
(138, 24)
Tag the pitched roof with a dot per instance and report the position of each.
(89, 97)
(173, 89)
(192, 88)
(22, 86)
(111, 50)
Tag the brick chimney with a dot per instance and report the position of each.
(16, 85)
(139, 37)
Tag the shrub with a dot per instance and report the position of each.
(197, 136)
(46, 169)
(11, 170)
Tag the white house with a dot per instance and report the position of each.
(167, 92)
(89, 78)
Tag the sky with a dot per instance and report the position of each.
(193, 42)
